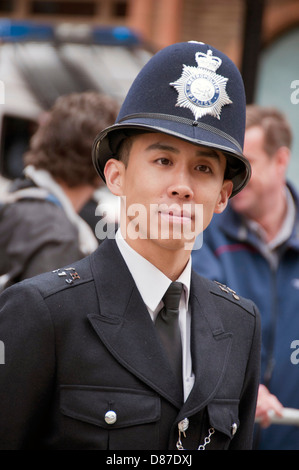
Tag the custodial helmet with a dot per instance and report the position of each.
(191, 91)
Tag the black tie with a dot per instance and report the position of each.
(167, 325)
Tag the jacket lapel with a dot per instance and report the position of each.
(210, 346)
(125, 327)
(124, 324)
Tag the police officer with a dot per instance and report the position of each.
(129, 348)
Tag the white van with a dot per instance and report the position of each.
(39, 62)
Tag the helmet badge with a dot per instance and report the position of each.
(200, 88)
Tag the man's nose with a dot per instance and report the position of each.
(181, 187)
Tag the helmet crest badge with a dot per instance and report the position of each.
(200, 88)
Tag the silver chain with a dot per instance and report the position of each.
(207, 440)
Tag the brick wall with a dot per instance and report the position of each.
(217, 22)
(161, 22)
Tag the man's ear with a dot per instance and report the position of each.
(282, 158)
(114, 174)
(224, 195)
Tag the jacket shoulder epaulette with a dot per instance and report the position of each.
(63, 278)
(228, 290)
(231, 295)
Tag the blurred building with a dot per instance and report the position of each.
(162, 22)
(260, 36)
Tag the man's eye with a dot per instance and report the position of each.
(163, 161)
(203, 168)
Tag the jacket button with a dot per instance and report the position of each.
(234, 428)
(183, 425)
(110, 417)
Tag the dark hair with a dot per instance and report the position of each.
(63, 142)
(277, 130)
(124, 149)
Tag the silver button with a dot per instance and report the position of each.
(183, 425)
(110, 417)
(234, 428)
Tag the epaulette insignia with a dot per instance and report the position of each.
(69, 273)
(228, 290)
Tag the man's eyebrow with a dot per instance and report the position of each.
(205, 152)
(161, 146)
(201, 152)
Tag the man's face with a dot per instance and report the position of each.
(172, 180)
(264, 181)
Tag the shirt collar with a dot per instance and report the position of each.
(150, 281)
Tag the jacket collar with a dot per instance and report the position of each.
(294, 239)
(150, 281)
(126, 329)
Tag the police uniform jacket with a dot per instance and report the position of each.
(84, 369)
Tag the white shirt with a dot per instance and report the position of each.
(152, 285)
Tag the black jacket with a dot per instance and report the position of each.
(80, 343)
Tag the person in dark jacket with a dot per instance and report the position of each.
(40, 225)
(254, 248)
(129, 349)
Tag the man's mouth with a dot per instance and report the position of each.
(176, 215)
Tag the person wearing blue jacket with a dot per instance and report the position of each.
(253, 247)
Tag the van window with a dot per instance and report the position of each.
(16, 134)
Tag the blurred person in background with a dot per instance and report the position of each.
(254, 248)
(41, 228)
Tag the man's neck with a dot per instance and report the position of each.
(169, 260)
(272, 217)
(172, 264)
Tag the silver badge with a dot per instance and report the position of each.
(200, 88)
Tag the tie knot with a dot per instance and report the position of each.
(172, 296)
